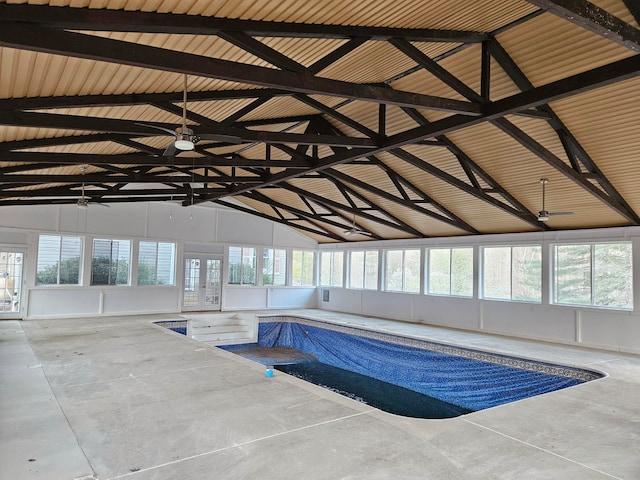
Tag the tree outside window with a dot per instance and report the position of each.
(331, 268)
(242, 266)
(156, 263)
(110, 262)
(450, 271)
(594, 275)
(363, 269)
(274, 267)
(59, 260)
(302, 263)
(402, 270)
(513, 273)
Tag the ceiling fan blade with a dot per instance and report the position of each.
(170, 132)
(170, 151)
(220, 137)
(560, 213)
(357, 232)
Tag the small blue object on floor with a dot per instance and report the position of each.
(268, 371)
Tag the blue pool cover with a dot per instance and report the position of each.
(468, 378)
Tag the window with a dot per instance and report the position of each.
(274, 267)
(331, 267)
(450, 271)
(58, 260)
(302, 268)
(595, 274)
(110, 260)
(242, 266)
(156, 263)
(363, 269)
(513, 273)
(402, 270)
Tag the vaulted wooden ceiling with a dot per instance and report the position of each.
(420, 118)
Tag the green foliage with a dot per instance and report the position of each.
(66, 272)
(106, 272)
(242, 274)
(147, 275)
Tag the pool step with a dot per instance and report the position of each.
(223, 329)
(220, 335)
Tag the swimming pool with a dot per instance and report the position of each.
(455, 379)
(471, 379)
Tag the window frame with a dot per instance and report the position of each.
(364, 282)
(428, 263)
(158, 257)
(403, 270)
(243, 266)
(77, 239)
(303, 262)
(336, 278)
(553, 300)
(111, 261)
(280, 272)
(511, 247)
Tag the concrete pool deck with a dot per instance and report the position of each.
(110, 398)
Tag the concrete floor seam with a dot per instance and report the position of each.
(135, 377)
(64, 414)
(249, 442)
(541, 449)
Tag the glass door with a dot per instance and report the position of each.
(202, 283)
(11, 283)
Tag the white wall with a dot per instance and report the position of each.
(208, 230)
(195, 229)
(594, 327)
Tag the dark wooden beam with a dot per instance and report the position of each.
(127, 127)
(595, 19)
(634, 8)
(33, 103)
(131, 178)
(48, 40)
(582, 82)
(393, 198)
(310, 216)
(260, 50)
(435, 68)
(289, 223)
(578, 157)
(57, 141)
(579, 83)
(151, 22)
(336, 54)
(235, 160)
(332, 204)
(464, 186)
(543, 153)
(400, 181)
(332, 112)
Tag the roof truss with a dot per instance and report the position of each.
(311, 146)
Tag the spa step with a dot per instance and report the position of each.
(209, 329)
(223, 338)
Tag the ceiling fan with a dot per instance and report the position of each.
(83, 201)
(356, 231)
(543, 215)
(185, 138)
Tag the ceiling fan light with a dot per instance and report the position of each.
(184, 143)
